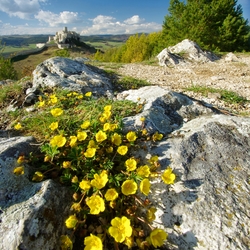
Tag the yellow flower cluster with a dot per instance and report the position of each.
(96, 158)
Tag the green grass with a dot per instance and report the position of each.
(226, 95)
(16, 49)
(105, 45)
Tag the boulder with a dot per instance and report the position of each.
(164, 111)
(72, 75)
(231, 57)
(208, 207)
(184, 52)
(32, 214)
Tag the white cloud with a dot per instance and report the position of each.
(134, 20)
(23, 9)
(65, 17)
(109, 25)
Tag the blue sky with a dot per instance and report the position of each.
(87, 17)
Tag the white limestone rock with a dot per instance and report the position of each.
(164, 110)
(72, 75)
(32, 214)
(183, 52)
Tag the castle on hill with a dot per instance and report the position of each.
(65, 38)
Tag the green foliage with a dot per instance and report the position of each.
(62, 53)
(136, 49)
(227, 96)
(7, 70)
(214, 25)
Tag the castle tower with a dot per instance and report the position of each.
(65, 29)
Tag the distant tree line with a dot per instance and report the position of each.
(214, 25)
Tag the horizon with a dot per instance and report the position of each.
(46, 17)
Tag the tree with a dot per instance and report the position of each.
(214, 25)
(7, 70)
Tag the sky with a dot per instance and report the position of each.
(87, 17)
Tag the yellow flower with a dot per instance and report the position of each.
(38, 176)
(111, 194)
(90, 152)
(145, 186)
(131, 136)
(18, 170)
(142, 118)
(88, 94)
(151, 214)
(102, 119)
(66, 164)
(76, 207)
(168, 177)
(116, 139)
(107, 108)
(85, 185)
(130, 164)
(81, 136)
(129, 187)
(143, 171)
(109, 150)
(92, 144)
(53, 125)
(122, 150)
(18, 126)
(113, 127)
(96, 204)
(73, 140)
(66, 243)
(74, 179)
(153, 159)
(21, 159)
(41, 103)
(71, 221)
(157, 237)
(85, 125)
(106, 114)
(129, 242)
(120, 228)
(112, 204)
(100, 180)
(157, 136)
(106, 126)
(58, 141)
(93, 242)
(56, 112)
(79, 96)
(144, 131)
(100, 136)
(53, 99)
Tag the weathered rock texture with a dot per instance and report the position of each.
(72, 75)
(208, 207)
(32, 214)
(184, 52)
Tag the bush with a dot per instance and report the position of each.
(7, 70)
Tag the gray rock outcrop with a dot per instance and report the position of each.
(184, 52)
(72, 75)
(32, 214)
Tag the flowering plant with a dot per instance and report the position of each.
(111, 186)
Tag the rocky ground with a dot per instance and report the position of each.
(228, 75)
